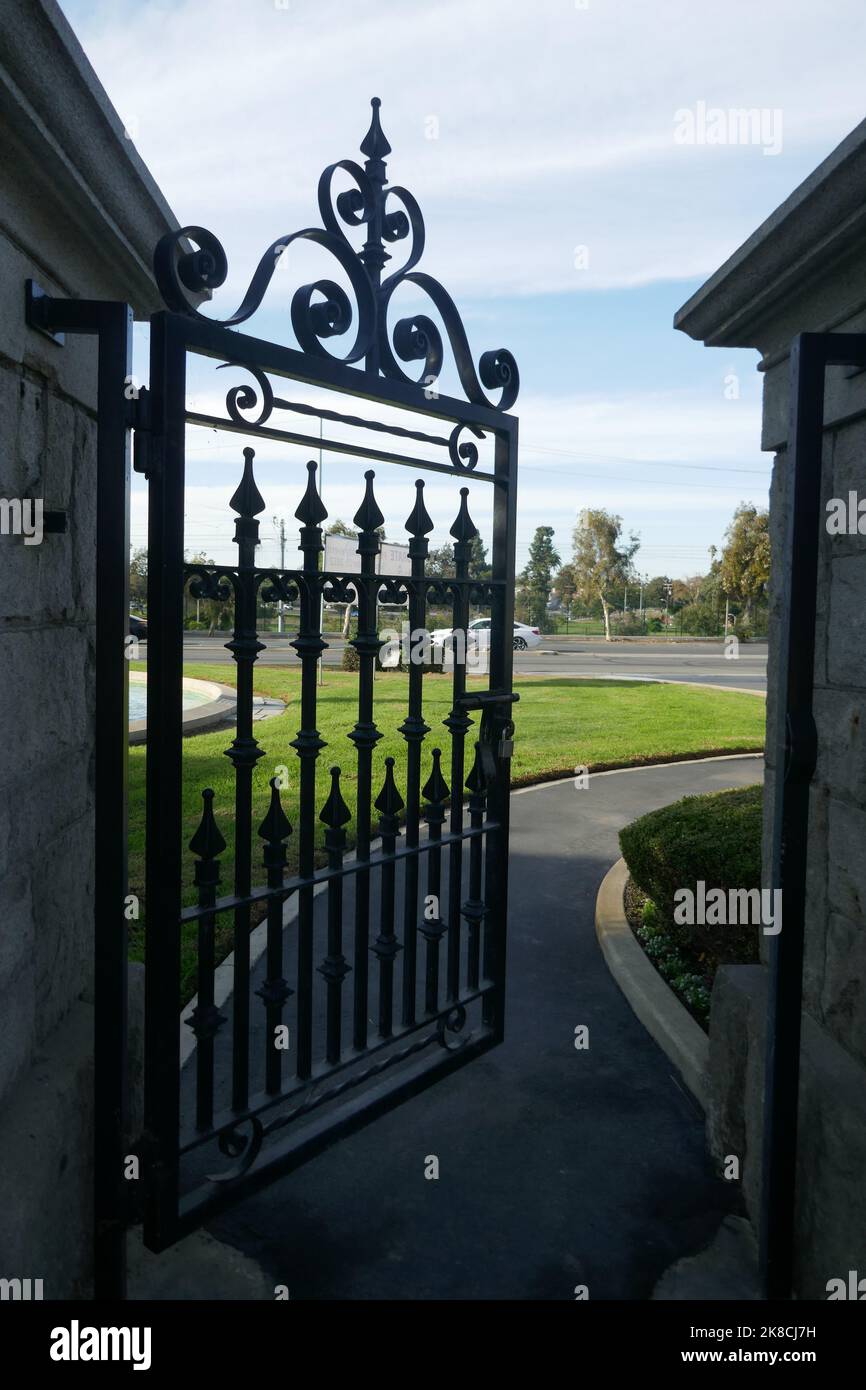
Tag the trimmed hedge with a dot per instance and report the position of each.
(715, 837)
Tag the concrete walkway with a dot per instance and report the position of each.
(557, 1167)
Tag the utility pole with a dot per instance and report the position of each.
(280, 524)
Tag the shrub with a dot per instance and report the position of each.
(716, 838)
(699, 619)
(351, 660)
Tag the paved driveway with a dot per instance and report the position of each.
(557, 1167)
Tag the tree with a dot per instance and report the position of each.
(479, 566)
(565, 586)
(745, 563)
(215, 610)
(537, 577)
(602, 561)
(656, 591)
(138, 578)
(440, 562)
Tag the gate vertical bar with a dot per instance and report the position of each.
(414, 729)
(111, 743)
(458, 724)
(335, 814)
(501, 665)
(274, 830)
(796, 749)
(309, 646)
(244, 753)
(206, 1019)
(365, 736)
(389, 803)
(435, 792)
(164, 771)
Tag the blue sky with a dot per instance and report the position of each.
(525, 131)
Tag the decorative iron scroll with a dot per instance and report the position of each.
(323, 310)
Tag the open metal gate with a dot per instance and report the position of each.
(384, 970)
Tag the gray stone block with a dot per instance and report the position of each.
(735, 1072)
(831, 1194)
(46, 1161)
(843, 998)
(846, 872)
(840, 716)
(847, 622)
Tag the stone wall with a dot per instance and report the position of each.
(805, 269)
(80, 214)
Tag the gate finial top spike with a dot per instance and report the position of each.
(368, 517)
(419, 523)
(335, 813)
(389, 801)
(374, 145)
(464, 528)
(311, 509)
(275, 827)
(247, 500)
(477, 780)
(207, 842)
(435, 789)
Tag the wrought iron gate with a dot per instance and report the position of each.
(399, 979)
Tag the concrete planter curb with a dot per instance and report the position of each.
(661, 1013)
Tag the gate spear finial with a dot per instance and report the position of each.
(374, 145)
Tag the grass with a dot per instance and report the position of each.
(561, 724)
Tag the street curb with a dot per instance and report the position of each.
(655, 1004)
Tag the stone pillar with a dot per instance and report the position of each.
(81, 216)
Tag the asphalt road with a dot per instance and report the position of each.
(557, 1167)
(703, 662)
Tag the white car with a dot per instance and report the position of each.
(524, 637)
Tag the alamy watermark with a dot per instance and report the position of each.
(419, 647)
(713, 125)
(77, 1343)
(717, 907)
(22, 516)
(846, 517)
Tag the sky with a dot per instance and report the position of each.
(570, 203)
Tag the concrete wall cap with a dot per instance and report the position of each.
(821, 222)
(53, 106)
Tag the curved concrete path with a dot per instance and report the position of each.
(557, 1167)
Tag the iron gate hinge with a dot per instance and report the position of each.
(37, 312)
(146, 452)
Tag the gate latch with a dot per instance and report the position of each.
(496, 733)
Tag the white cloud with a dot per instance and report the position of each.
(555, 123)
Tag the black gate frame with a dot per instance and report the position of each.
(240, 1132)
(167, 1216)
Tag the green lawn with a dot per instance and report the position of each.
(560, 723)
